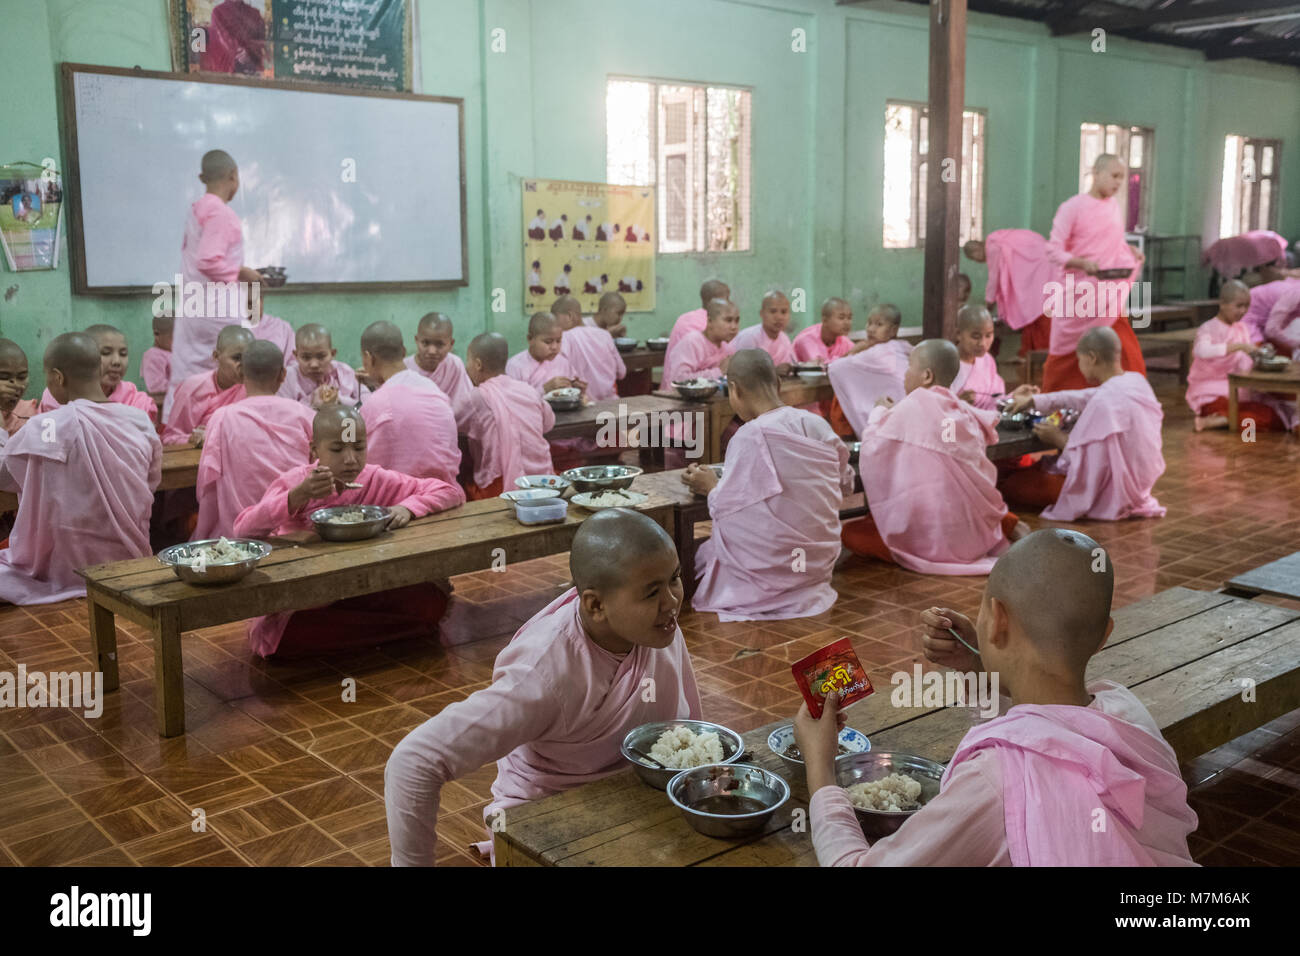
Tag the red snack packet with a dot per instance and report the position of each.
(834, 667)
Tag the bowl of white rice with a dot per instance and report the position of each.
(887, 787)
(350, 522)
(679, 745)
(728, 800)
(214, 560)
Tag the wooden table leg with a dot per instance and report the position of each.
(168, 674)
(1232, 405)
(719, 414)
(103, 641)
(684, 533)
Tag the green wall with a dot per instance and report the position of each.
(537, 109)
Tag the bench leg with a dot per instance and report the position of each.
(684, 532)
(1232, 407)
(103, 642)
(168, 674)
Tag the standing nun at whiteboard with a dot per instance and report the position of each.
(211, 252)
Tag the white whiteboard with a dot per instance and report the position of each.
(135, 154)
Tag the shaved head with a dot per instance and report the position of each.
(541, 323)
(234, 338)
(974, 250)
(435, 322)
(939, 356)
(567, 305)
(971, 318)
(1105, 160)
(330, 421)
(383, 340)
(262, 364)
(1101, 342)
(717, 307)
(76, 355)
(753, 371)
(611, 301)
(774, 296)
(490, 348)
(312, 332)
(11, 351)
(713, 289)
(1232, 290)
(608, 544)
(97, 330)
(216, 165)
(833, 303)
(1057, 586)
(890, 313)
(162, 324)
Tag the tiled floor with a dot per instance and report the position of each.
(285, 772)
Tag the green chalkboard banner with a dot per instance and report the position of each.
(363, 43)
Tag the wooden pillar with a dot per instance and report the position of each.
(943, 178)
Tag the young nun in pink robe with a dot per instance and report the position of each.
(872, 371)
(156, 362)
(769, 335)
(928, 481)
(784, 478)
(1112, 458)
(1262, 300)
(1020, 271)
(338, 453)
(316, 378)
(249, 444)
(268, 328)
(696, 319)
(113, 361)
(1283, 325)
(410, 425)
(565, 691)
(212, 256)
(85, 475)
(542, 365)
(1223, 347)
(828, 340)
(508, 421)
(17, 411)
(978, 381)
(1088, 235)
(202, 394)
(1025, 788)
(591, 353)
(435, 360)
(704, 354)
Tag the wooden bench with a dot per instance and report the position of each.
(1182, 652)
(180, 469)
(1280, 578)
(1177, 343)
(1287, 382)
(1159, 318)
(304, 572)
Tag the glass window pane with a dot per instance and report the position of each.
(1266, 161)
(1229, 187)
(900, 125)
(628, 123)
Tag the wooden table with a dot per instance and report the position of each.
(1280, 578)
(302, 573)
(586, 422)
(1204, 308)
(1159, 317)
(1287, 382)
(1182, 653)
(180, 469)
(1178, 342)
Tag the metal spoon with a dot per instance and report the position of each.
(647, 759)
(973, 650)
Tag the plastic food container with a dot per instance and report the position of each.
(541, 510)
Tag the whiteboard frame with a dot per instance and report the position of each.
(72, 179)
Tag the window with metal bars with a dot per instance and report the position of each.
(907, 142)
(693, 144)
(1249, 197)
(1135, 146)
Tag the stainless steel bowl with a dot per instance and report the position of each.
(625, 345)
(178, 557)
(541, 481)
(377, 519)
(601, 477)
(1276, 363)
(643, 738)
(876, 764)
(701, 792)
(564, 404)
(695, 393)
(656, 345)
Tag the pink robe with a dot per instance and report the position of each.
(553, 719)
(694, 356)
(524, 368)
(23, 411)
(156, 369)
(271, 516)
(125, 394)
(991, 809)
(1212, 364)
(85, 474)
(508, 422)
(930, 485)
(278, 332)
(688, 322)
(809, 347)
(780, 348)
(196, 399)
(411, 428)
(877, 372)
(1113, 458)
(1234, 254)
(300, 388)
(1282, 327)
(786, 474)
(1262, 299)
(1089, 228)
(1019, 271)
(451, 377)
(247, 446)
(211, 252)
(981, 377)
(595, 359)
